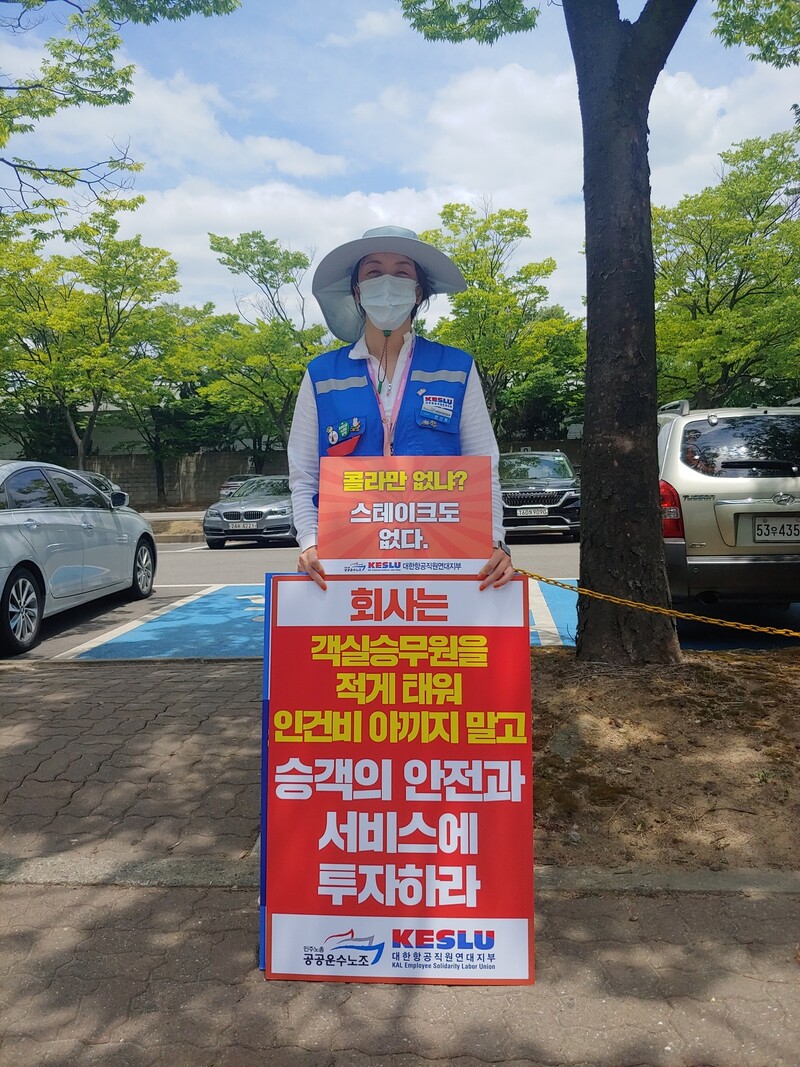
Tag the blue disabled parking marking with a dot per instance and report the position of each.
(703, 637)
(221, 623)
(553, 613)
(227, 622)
(561, 628)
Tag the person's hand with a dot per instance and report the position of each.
(498, 571)
(309, 563)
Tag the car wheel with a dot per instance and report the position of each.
(215, 542)
(144, 571)
(20, 612)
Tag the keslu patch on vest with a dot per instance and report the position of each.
(438, 407)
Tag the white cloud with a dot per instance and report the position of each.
(288, 157)
(510, 135)
(396, 103)
(370, 26)
(691, 124)
(20, 57)
(180, 219)
(258, 93)
(514, 136)
(176, 125)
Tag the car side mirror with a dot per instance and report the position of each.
(119, 499)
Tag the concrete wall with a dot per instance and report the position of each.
(190, 480)
(195, 480)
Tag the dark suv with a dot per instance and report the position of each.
(541, 494)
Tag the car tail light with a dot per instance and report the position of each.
(671, 515)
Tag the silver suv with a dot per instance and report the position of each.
(730, 502)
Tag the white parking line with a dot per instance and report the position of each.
(181, 585)
(125, 628)
(162, 551)
(202, 585)
(544, 623)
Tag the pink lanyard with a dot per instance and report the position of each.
(390, 421)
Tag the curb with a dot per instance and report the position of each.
(176, 539)
(192, 871)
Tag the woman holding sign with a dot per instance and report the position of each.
(370, 291)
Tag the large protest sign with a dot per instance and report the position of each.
(397, 788)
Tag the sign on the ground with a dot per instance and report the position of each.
(397, 781)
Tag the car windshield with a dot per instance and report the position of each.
(524, 466)
(743, 446)
(263, 487)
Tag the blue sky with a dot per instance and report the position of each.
(313, 121)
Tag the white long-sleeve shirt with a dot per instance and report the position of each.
(477, 439)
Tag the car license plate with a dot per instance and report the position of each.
(775, 529)
(530, 513)
(242, 525)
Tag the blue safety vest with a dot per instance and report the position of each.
(429, 420)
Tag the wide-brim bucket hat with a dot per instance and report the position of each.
(332, 278)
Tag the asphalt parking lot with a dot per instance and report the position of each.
(209, 605)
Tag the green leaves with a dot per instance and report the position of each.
(79, 69)
(74, 324)
(728, 280)
(149, 11)
(770, 27)
(501, 318)
(484, 21)
(268, 265)
(257, 370)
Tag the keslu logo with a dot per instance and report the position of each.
(419, 937)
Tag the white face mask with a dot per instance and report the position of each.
(388, 301)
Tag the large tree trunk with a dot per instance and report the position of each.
(622, 551)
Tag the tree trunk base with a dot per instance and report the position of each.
(625, 636)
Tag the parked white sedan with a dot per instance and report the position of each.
(63, 543)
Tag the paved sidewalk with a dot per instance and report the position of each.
(129, 923)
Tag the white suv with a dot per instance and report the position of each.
(730, 502)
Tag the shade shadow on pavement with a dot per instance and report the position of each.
(128, 764)
(168, 977)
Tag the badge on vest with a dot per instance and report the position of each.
(344, 436)
(438, 408)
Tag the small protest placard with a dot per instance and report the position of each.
(405, 514)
